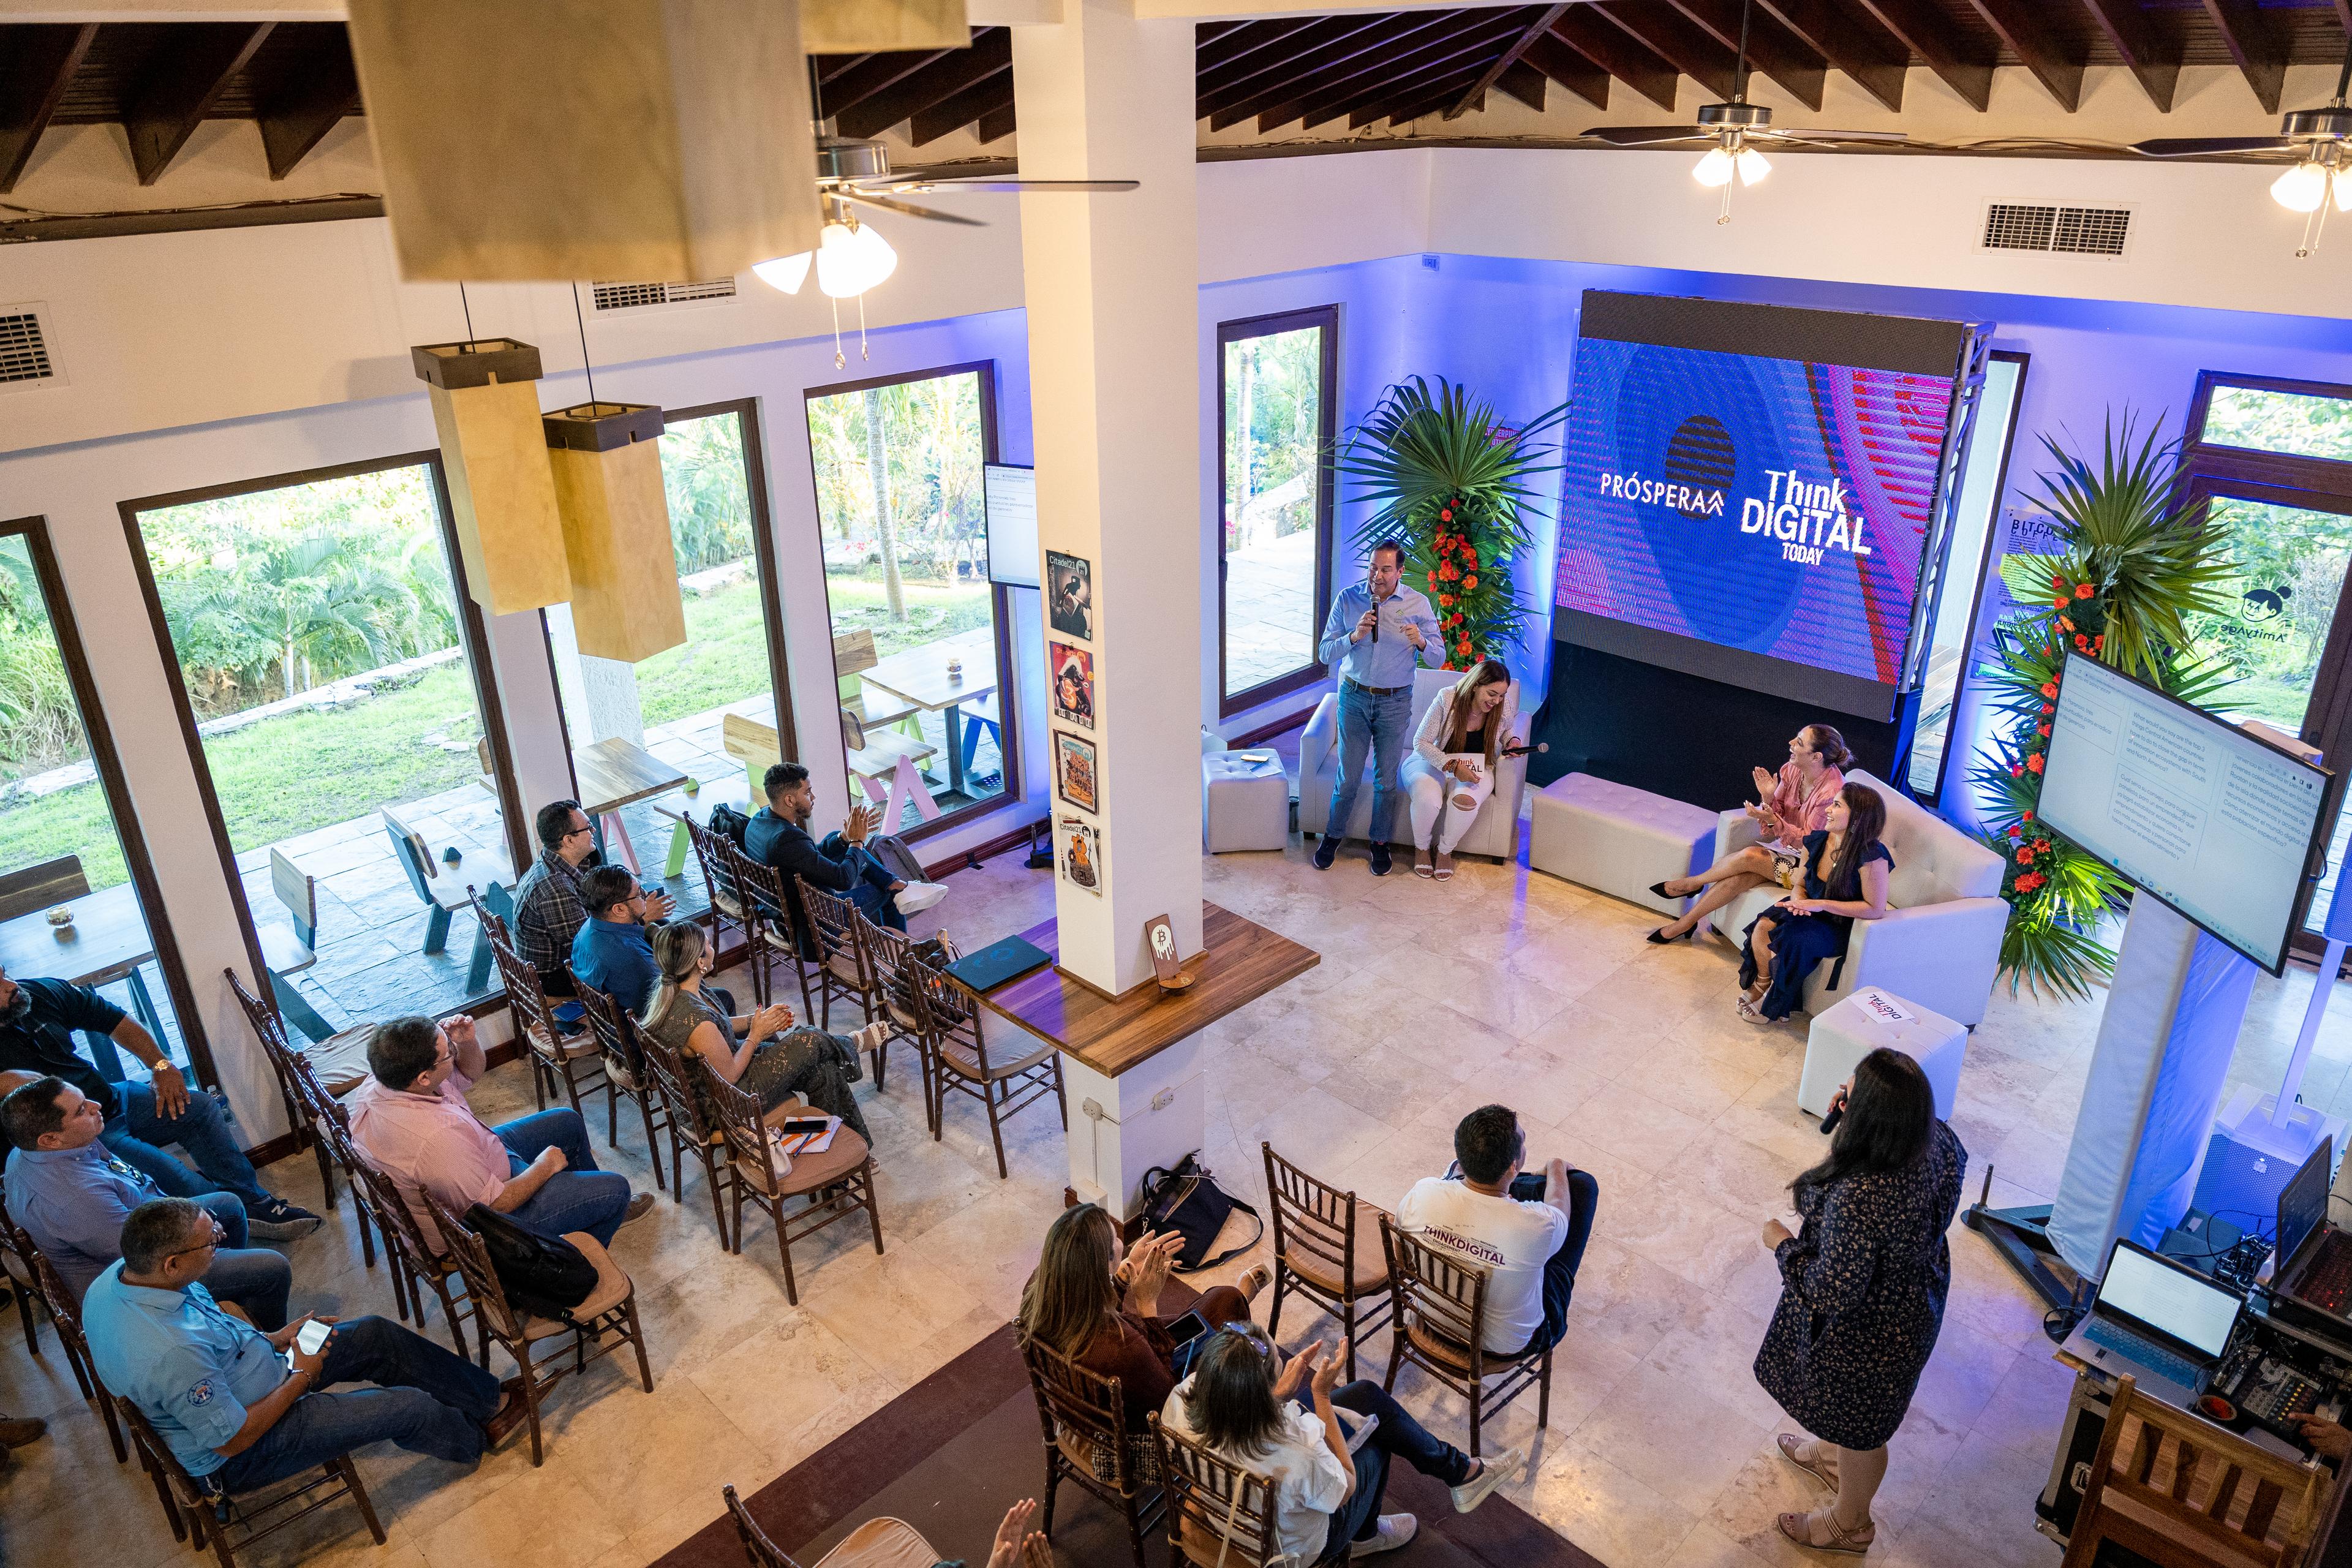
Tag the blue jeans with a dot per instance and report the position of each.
(578, 1197)
(871, 893)
(258, 1279)
(1560, 1268)
(1398, 1437)
(428, 1401)
(1380, 725)
(136, 1128)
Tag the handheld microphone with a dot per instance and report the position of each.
(1836, 1115)
(1376, 620)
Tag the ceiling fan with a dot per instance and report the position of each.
(2318, 139)
(1734, 128)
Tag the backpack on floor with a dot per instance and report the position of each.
(895, 858)
(729, 824)
(544, 1275)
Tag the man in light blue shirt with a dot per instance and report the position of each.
(71, 1195)
(220, 1394)
(1377, 633)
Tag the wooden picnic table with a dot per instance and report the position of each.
(919, 677)
(614, 773)
(108, 941)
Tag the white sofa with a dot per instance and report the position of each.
(1497, 831)
(1939, 946)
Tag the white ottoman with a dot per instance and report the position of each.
(1244, 802)
(1618, 839)
(1866, 1020)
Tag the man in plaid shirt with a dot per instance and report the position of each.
(548, 909)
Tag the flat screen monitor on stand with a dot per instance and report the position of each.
(1009, 495)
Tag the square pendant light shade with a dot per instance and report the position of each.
(502, 491)
(636, 138)
(877, 27)
(608, 486)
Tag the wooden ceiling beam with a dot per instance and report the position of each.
(1524, 82)
(1852, 42)
(1673, 38)
(832, 68)
(1624, 56)
(182, 82)
(1927, 33)
(1319, 68)
(1535, 28)
(2153, 61)
(1307, 48)
(2051, 58)
(990, 54)
(1252, 38)
(1405, 107)
(990, 95)
(315, 86)
(1448, 53)
(2258, 44)
(995, 123)
(1559, 64)
(1772, 48)
(34, 72)
(875, 73)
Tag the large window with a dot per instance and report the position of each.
(672, 711)
(326, 666)
(919, 635)
(2272, 461)
(1275, 386)
(62, 810)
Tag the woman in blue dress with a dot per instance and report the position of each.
(1845, 882)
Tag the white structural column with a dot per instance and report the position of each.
(1113, 300)
(1112, 292)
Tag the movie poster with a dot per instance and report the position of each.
(1070, 595)
(1075, 767)
(1074, 683)
(1081, 854)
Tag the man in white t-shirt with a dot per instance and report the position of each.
(1528, 1231)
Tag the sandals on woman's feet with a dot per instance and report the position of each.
(1256, 1279)
(1790, 1443)
(1421, 866)
(1798, 1528)
(1445, 867)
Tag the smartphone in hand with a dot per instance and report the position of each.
(311, 1336)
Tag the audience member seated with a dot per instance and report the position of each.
(1786, 808)
(1451, 771)
(71, 1198)
(37, 1020)
(411, 1122)
(1845, 871)
(1528, 1231)
(549, 908)
(778, 835)
(1244, 1403)
(762, 1054)
(1097, 1302)
(218, 1391)
(612, 951)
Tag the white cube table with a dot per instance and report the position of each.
(1244, 802)
(1866, 1020)
(1618, 839)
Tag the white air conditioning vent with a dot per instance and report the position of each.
(2050, 228)
(633, 296)
(23, 348)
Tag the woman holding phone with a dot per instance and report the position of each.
(817, 1066)
(1451, 770)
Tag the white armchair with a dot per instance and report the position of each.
(1497, 831)
(1939, 946)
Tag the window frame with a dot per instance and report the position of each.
(1314, 672)
(1008, 670)
(108, 762)
(2252, 464)
(472, 636)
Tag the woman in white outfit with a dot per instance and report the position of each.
(1451, 770)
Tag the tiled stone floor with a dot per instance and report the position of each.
(1430, 999)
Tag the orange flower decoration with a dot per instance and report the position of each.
(2033, 763)
(2082, 590)
(1470, 581)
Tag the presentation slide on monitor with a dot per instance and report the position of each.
(1009, 495)
(2184, 804)
(1775, 506)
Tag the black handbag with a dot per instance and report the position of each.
(544, 1275)
(1188, 1200)
(729, 824)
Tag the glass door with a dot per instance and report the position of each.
(1275, 419)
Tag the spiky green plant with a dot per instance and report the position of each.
(1450, 479)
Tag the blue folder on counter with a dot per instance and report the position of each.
(999, 963)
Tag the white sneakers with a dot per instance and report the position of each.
(1493, 1470)
(917, 897)
(1395, 1530)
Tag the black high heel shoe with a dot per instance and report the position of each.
(1658, 890)
(1663, 941)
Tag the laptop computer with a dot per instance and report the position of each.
(998, 962)
(2313, 1260)
(2161, 1322)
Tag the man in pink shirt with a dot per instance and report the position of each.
(412, 1122)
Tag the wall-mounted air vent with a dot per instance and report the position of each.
(2067, 230)
(634, 295)
(24, 349)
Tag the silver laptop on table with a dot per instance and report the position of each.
(2159, 1322)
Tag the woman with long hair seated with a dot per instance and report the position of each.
(1787, 808)
(1096, 1300)
(1280, 1419)
(1451, 770)
(816, 1066)
(1844, 881)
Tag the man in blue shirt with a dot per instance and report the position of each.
(612, 951)
(72, 1196)
(220, 1395)
(1377, 632)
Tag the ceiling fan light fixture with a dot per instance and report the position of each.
(1714, 169)
(2344, 189)
(2303, 188)
(785, 272)
(852, 258)
(1753, 165)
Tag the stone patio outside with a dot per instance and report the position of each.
(1270, 625)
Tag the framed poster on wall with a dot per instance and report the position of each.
(1074, 683)
(1074, 769)
(1070, 595)
(1081, 856)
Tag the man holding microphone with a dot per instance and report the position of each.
(1376, 633)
